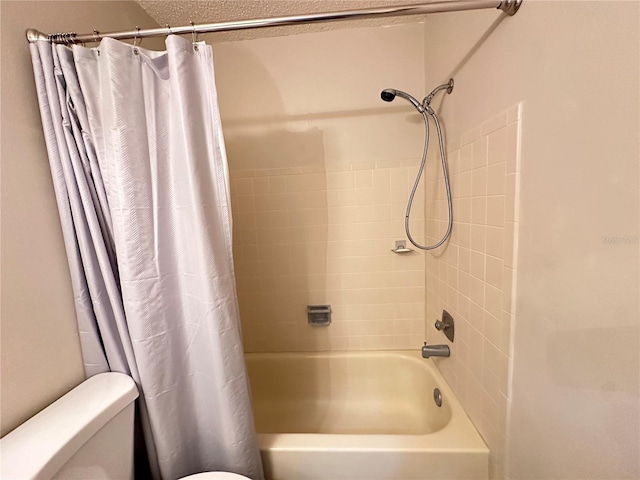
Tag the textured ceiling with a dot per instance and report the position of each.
(181, 12)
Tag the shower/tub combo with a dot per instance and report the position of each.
(367, 415)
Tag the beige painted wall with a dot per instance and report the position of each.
(321, 169)
(40, 349)
(575, 388)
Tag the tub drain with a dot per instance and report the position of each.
(437, 397)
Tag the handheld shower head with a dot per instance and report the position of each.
(389, 94)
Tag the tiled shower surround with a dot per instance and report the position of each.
(323, 235)
(473, 276)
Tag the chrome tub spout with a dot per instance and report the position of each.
(435, 351)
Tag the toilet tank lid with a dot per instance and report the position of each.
(43, 444)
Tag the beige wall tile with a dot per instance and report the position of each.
(498, 146)
(478, 210)
(495, 211)
(494, 271)
(496, 179)
(480, 152)
(479, 182)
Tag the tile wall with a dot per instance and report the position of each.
(323, 235)
(473, 276)
(320, 170)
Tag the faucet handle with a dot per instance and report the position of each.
(446, 325)
(440, 325)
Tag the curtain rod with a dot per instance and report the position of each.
(510, 7)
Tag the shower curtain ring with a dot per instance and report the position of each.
(194, 36)
(194, 33)
(95, 36)
(136, 40)
(168, 28)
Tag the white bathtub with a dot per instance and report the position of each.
(360, 416)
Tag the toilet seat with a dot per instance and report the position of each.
(215, 476)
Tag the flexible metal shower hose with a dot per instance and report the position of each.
(445, 173)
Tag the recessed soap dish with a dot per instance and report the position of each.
(401, 247)
(319, 315)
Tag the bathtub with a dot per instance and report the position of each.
(360, 416)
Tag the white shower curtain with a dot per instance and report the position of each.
(139, 169)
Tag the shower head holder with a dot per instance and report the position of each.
(510, 7)
(445, 86)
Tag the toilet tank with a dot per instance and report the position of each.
(88, 433)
